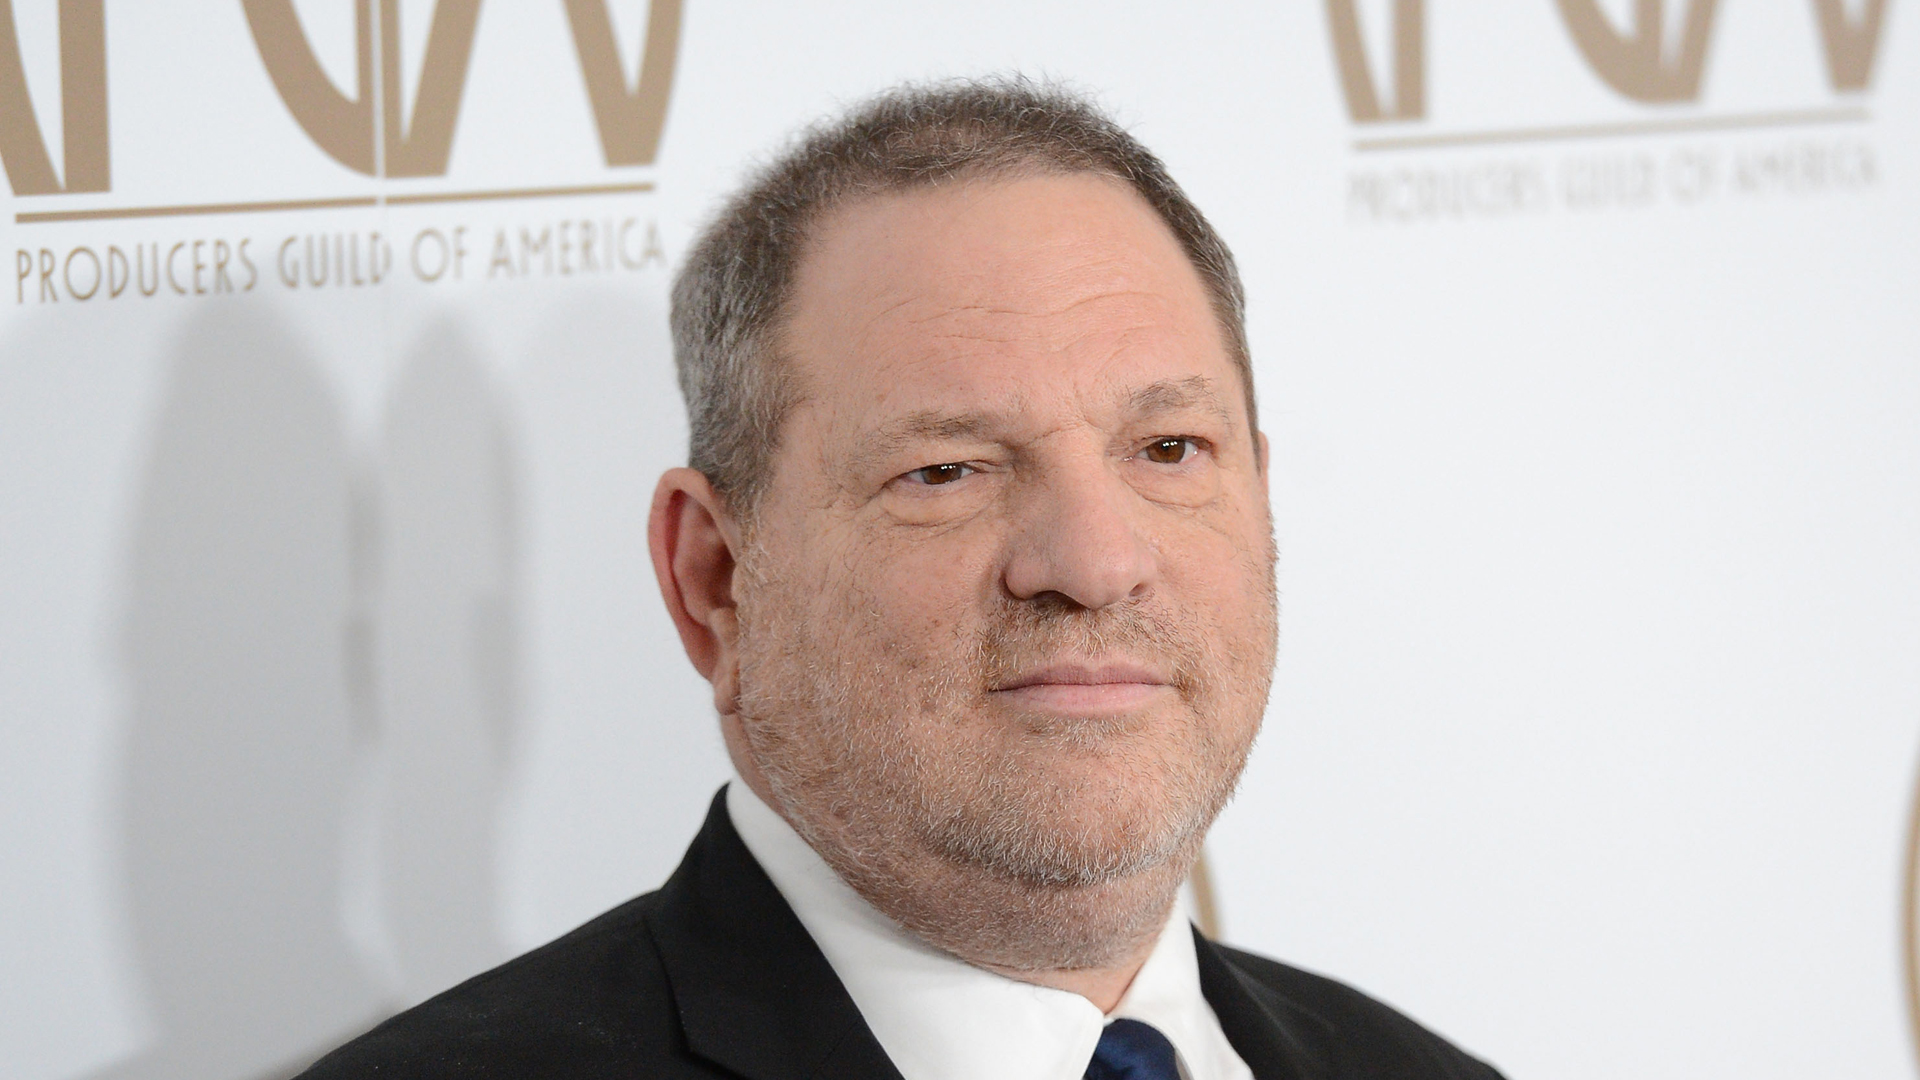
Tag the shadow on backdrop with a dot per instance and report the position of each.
(443, 617)
(239, 755)
(268, 661)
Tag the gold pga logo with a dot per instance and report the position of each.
(1655, 64)
(1636, 63)
(365, 131)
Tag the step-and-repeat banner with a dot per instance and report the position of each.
(334, 379)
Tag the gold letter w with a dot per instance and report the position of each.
(83, 104)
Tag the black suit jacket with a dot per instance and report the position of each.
(713, 976)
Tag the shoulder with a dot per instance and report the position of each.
(594, 1002)
(1353, 1034)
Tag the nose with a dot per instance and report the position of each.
(1078, 535)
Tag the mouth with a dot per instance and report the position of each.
(1084, 688)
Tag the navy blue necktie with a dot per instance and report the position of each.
(1131, 1050)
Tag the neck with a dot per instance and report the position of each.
(1104, 986)
(1089, 941)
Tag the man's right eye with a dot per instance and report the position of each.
(947, 473)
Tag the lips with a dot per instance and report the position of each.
(1078, 687)
(1085, 675)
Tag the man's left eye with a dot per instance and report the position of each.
(945, 473)
(1169, 451)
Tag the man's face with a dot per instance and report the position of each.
(1007, 605)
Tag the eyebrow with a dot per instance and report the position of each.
(925, 425)
(1178, 395)
(936, 424)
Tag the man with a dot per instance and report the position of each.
(974, 547)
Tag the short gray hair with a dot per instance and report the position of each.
(729, 298)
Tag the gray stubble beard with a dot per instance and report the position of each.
(965, 858)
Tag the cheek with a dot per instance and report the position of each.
(1221, 579)
(926, 589)
(1225, 557)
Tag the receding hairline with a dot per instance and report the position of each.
(990, 175)
(736, 285)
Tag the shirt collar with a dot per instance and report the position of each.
(940, 1018)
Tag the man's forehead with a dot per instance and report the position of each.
(1035, 259)
(999, 310)
(990, 247)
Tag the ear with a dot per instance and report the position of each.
(1260, 446)
(694, 543)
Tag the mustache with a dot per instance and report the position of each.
(1019, 636)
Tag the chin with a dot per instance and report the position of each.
(1022, 923)
(1072, 826)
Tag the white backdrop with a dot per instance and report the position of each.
(332, 669)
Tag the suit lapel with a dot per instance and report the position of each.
(754, 993)
(1264, 1028)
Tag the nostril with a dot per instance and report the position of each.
(1053, 602)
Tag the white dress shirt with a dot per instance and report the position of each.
(940, 1018)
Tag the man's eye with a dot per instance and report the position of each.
(1171, 451)
(940, 474)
